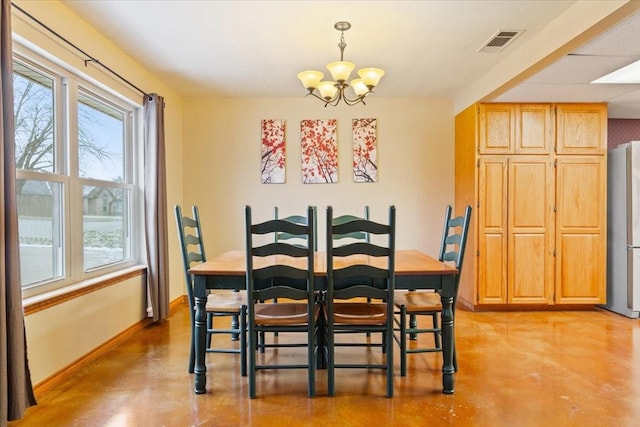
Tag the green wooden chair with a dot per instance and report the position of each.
(296, 240)
(360, 280)
(297, 219)
(280, 281)
(354, 236)
(424, 303)
(220, 303)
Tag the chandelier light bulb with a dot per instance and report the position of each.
(371, 76)
(341, 70)
(359, 87)
(310, 78)
(327, 89)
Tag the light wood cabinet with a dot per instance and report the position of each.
(582, 129)
(580, 230)
(515, 128)
(530, 230)
(497, 130)
(539, 232)
(492, 230)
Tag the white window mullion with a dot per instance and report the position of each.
(62, 257)
(74, 211)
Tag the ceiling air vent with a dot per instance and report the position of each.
(500, 40)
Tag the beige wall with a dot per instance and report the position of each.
(222, 165)
(64, 333)
(60, 335)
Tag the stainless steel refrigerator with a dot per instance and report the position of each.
(623, 230)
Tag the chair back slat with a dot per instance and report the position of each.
(298, 239)
(194, 258)
(361, 248)
(279, 270)
(360, 270)
(280, 249)
(355, 291)
(279, 226)
(454, 237)
(354, 235)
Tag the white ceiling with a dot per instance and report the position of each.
(568, 79)
(427, 48)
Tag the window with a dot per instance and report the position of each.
(76, 172)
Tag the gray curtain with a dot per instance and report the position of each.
(16, 391)
(155, 206)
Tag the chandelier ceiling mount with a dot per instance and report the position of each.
(331, 92)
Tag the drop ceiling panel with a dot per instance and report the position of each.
(574, 69)
(622, 40)
(563, 93)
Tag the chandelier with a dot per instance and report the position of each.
(331, 92)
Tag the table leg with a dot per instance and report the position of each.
(200, 370)
(448, 340)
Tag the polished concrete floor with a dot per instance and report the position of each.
(573, 368)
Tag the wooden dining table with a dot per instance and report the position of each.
(413, 270)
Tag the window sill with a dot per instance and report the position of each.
(49, 299)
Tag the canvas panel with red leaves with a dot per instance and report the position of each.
(319, 146)
(365, 150)
(273, 151)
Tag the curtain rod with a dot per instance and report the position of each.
(86, 61)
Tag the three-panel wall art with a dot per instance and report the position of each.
(319, 151)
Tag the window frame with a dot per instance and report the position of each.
(68, 83)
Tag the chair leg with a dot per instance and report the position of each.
(436, 334)
(275, 334)
(243, 341)
(311, 361)
(209, 327)
(235, 325)
(455, 356)
(192, 353)
(252, 362)
(455, 359)
(403, 341)
(389, 357)
(331, 380)
(369, 333)
(413, 324)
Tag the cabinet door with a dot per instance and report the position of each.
(496, 128)
(534, 129)
(492, 231)
(530, 230)
(581, 129)
(581, 230)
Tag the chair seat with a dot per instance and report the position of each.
(359, 313)
(418, 301)
(222, 301)
(284, 313)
